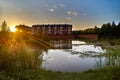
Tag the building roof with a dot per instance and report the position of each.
(52, 25)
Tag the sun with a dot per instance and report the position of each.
(12, 28)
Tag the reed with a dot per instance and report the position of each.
(16, 56)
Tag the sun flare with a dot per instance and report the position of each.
(12, 29)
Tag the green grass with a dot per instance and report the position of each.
(111, 73)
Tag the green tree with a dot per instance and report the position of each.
(4, 27)
(96, 30)
(118, 30)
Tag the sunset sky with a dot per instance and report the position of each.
(80, 13)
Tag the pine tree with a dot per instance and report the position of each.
(4, 27)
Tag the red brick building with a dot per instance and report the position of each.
(53, 30)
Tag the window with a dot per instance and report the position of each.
(55, 28)
(69, 28)
(38, 28)
(60, 33)
(69, 32)
(43, 28)
(49, 28)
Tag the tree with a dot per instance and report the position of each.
(118, 29)
(4, 27)
(96, 30)
(113, 24)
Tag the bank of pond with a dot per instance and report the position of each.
(64, 60)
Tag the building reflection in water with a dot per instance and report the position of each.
(61, 44)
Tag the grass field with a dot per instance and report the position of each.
(111, 73)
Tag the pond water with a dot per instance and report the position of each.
(72, 56)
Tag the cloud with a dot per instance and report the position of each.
(51, 10)
(61, 5)
(68, 18)
(72, 13)
(58, 5)
(69, 12)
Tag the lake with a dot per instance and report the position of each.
(72, 56)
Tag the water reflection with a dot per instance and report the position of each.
(71, 56)
(61, 44)
(76, 56)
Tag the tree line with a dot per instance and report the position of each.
(109, 31)
(106, 31)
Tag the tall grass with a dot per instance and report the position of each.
(17, 55)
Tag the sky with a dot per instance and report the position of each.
(81, 14)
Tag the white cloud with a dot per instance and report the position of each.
(51, 10)
(72, 13)
(69, 12)
(61, 5)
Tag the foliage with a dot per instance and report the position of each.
(4, 27)
(94, 30)
(107, 31)
(110, 31)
